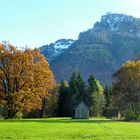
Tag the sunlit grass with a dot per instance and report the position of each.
(68, 129)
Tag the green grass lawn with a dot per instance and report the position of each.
(68, 129)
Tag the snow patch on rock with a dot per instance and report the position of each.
(63, 45)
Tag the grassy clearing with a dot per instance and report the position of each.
(67, 129)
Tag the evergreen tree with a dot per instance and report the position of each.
(108, 100)
(95, 91)
(64, 101)
(108, 95)
(78, 88)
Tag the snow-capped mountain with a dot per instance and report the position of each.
(55, 49)
(118, 22)
(102, 49)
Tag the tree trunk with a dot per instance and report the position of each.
(42, 108)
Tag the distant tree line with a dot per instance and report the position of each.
(121, 99)
(77, 90)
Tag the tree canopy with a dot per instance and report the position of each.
(78, 88)
(25, 79)
(127, 89)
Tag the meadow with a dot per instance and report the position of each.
(68, 129)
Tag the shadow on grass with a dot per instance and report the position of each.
(60, 120)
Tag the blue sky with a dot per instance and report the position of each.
(34, 23)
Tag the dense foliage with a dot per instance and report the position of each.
(109, 109)
(25, 80)
(65, 100)
(127, 89)
(78, 88)
(96, 97)
(76, 91)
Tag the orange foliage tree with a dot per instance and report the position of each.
(25, 79)
(127, 89)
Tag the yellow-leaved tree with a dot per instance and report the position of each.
(127, 89)
(25, 79)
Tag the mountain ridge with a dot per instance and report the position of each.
(101, 49)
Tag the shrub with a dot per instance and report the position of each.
(18, 115)
(129, 115)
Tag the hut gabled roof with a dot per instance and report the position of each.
(78, 103)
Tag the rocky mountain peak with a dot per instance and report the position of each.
(116, 18)
(111, 24)
(118, 22)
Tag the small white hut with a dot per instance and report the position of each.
(81, 111)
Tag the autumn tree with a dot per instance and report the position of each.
(25, 79)
(127, 89)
